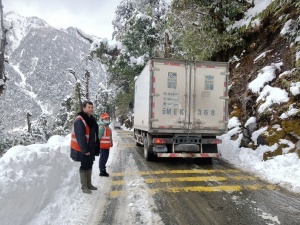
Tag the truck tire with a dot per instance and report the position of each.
(148, 154)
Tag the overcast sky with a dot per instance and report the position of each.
(92, 16)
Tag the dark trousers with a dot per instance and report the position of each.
(86, 165)
(104, 153)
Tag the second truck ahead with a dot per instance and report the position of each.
(180, 107)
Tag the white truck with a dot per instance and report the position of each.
(180, 107)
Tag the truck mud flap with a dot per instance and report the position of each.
(209, 148)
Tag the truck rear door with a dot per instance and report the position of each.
(208, 108)
(170, 94)
(189, 96)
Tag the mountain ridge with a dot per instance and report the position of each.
(39, 56)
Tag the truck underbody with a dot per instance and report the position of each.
(174, 145)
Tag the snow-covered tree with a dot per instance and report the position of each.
(40, 133)
(76, 97)
(199, 26)
(139, 27)
(105, 100)
(87, 76)
(2, 140)
(64, 119)
(3, 43)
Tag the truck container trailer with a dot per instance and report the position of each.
(180, 107)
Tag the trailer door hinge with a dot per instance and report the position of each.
(224, 97)
(155, 69)
(154, 94)
(225, 73)
(223, 121)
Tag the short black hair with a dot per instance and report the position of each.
(85, 102)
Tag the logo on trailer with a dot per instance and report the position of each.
(209, 83)
(172, 80)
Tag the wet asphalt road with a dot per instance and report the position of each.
(186, 191)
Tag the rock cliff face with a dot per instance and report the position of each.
(39, 56)
(265, 81)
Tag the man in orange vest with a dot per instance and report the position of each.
(84, 143)
(105, 137)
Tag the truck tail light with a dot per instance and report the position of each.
(159, 141)
(215, 141)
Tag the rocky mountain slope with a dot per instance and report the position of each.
(39, 56)
(265, 80)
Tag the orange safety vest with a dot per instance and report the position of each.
(74, 143)
(105, 140)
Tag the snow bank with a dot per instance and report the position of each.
(283, 170)
(34, 179)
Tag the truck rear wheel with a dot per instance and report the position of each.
(148, 154)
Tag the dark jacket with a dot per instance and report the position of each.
(92, 146)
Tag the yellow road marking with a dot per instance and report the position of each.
(114, 194)
(175, 172)
(187, 179)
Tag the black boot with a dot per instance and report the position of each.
(103, 174)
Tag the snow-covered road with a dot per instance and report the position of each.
(40, 185)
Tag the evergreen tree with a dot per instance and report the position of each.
(76, 99)
(63, 121)
(138, 29)
(2, 139)
(199, 26)
(105, 102)
(40, 133)
(3, 43)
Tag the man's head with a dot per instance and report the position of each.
(88, 107)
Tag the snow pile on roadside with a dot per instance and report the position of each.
(37, 182)
(283, 170)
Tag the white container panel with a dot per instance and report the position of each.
(170, 84)
(142, 99)
(208, 106)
